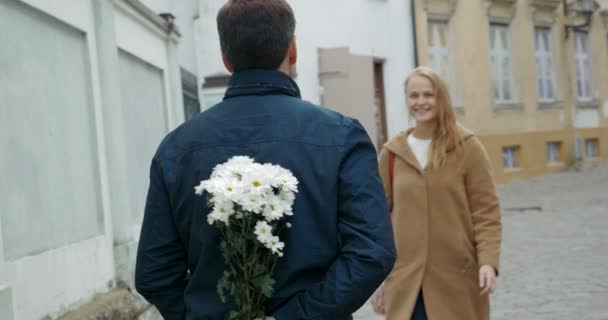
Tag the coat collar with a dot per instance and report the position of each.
(401, 148)
(260, 82)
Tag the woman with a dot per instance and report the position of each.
(445, 213)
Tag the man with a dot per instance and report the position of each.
(340, 247)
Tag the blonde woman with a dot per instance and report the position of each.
(445, 213)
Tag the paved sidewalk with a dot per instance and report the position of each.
(555, 249)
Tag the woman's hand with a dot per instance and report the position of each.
(487, 279)
(377, 300)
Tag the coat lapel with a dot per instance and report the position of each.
(402, 150)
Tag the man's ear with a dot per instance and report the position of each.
(227, 64)
(293, 51)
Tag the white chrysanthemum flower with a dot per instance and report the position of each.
(222, 212)
(263, 232)
(229, 188)
(276, 246)
(288, 225)
(256, 182)
(219, 171)
(240, 161)
(287, 199)
(272, 174)
(273, 209)
(288, 181)
(239, 165)
(198, 190)
(211, 185)
(252, 202)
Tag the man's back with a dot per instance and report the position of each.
(340, 246)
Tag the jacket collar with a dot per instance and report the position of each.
(400, 147)
(261, 82)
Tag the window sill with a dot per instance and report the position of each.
(555, 164)
(511, 170)
(515, 106)
(553, 105)
(593, 104)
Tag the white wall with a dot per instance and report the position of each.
(208, 42)
(53, 221)
(377, 28)
(79, 123)
(186, 16)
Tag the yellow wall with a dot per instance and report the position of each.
(533, 151)
(528, 123)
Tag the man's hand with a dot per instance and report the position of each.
(377, 300)
(487, 279)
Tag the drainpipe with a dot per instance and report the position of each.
(413, 14)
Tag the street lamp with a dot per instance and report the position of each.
(586, 7)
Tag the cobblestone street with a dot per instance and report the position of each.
(554, 263)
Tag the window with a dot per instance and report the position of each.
(591, 148)
(212, 97)
(190, 94)
(544, 65)
(500, 53)
(439, 58)
(553, 152)
(214, 88)
(510, 157)
(583, 66)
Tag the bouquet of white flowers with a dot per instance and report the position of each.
(250, 205)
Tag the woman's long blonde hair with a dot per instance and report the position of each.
(446, 138)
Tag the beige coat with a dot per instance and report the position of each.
(446, 224)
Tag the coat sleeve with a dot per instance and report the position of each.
(161, 268)
(384, 169)
(367, 249)
(483, 203)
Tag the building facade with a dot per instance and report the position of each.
(535, 91)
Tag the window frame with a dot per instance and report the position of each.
(545, 70)
(583, 72)
(557, 153)
(512, 153)
(502, 80)
(443, 54)
(596, 143)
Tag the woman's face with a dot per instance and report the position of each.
(421, 99)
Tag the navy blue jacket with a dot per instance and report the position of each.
(340, 247)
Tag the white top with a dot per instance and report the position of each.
(420, 147)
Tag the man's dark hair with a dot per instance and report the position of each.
(255, 34)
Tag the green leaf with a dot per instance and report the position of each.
(223, 285)
(265, 283)
(234, 315)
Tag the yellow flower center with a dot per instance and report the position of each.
(256, 184)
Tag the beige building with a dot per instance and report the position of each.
(533, 89)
